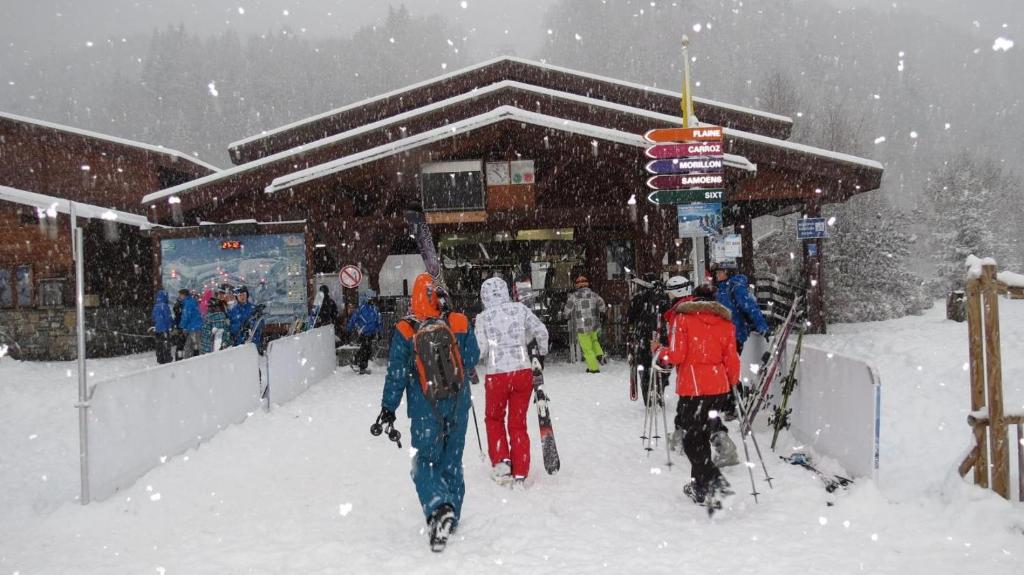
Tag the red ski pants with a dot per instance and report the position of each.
(509, 392)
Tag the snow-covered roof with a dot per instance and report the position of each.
(484, 91)
(62, 205)
(491, 62)
(108, 138)
(499, 114)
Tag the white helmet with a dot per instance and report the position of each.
(678, 286)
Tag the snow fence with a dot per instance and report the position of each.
(836, 405)
(139, 419)
(296, 362)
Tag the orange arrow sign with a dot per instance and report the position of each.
(702, 134)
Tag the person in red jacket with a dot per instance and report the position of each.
(702, 348)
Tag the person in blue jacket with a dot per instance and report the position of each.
(191, 322)
(734, 293)
(239, 311)
(365, 323)
(163, 322)
(438, 429)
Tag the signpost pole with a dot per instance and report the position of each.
(813, 277)
(83, 389)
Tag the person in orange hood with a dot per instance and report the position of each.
(702, 348)
(438, 426)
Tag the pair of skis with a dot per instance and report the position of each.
(832, 481)
(418, 228)
(769, 369)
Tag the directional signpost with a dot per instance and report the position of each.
(688, 165)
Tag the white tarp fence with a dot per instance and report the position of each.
(138, 419)
(836, 405)
(296, 362)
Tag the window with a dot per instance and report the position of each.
(6, 288)
(620, 259)
(453, 186)
(23, 283)
(51, 292)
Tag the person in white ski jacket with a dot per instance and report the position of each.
(504, 330)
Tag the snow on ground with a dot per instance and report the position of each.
(306, 489)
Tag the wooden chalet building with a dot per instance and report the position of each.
(573, 139)
(36, 263)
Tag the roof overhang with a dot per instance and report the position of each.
(492, 71)
(53, 205)
(173, 156)
(500, 114)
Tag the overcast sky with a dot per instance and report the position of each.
(492, 26)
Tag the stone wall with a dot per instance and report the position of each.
(49, 334)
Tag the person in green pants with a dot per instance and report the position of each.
(584, 308)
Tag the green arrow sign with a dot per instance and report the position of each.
(686, 196)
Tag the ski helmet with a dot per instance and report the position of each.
(678, 286)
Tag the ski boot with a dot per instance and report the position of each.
(502, 472)
(695, 491)
(519, 483)
(442, 525)
(725, 450)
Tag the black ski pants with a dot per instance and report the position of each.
(163, 347)
(365, 352)
(692, 417)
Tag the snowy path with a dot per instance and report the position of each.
(306, 489)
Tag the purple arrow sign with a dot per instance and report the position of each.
(706, 165)
(685, 181)
(669, 151)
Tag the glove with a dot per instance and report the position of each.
(387, 416)
(768, 333)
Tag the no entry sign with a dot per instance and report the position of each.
(350, 277)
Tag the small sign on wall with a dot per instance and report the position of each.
(522, 172)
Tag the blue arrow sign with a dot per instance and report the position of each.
(705, 165)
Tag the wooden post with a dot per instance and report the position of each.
(994, 375)
(1020, 462)
(977, 358)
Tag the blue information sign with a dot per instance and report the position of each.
(811, 229)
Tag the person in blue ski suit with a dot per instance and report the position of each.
(239, 310)
(191, 322)
(163, 322)
(439, 430)
(734, 293)
(365, 323)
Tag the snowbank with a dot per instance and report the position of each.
(306, 489)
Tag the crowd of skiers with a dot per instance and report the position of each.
(434, 353)
(217, 319)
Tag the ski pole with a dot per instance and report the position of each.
(664, 420)
(753, 439)
(747, 463)
(477, 426)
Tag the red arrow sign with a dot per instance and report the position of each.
(663, 151)
(684, 181)
(702, 134)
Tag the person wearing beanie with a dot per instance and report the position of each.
(585, 309)
(239, 309)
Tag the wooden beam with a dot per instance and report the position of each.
(994, 376)
(977, 363)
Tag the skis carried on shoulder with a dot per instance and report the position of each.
(547, 434)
